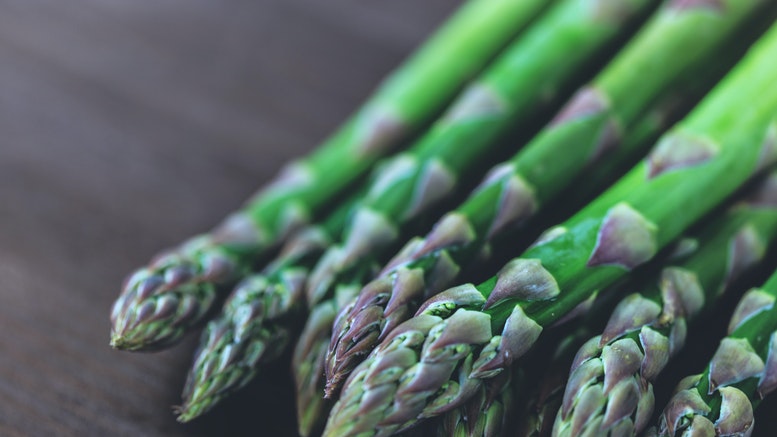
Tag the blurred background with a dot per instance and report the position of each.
(128, 125)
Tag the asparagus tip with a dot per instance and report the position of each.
(330, 389)
(125, 341)
(117, 342)
(185, 413)
(333, 384)
(185, 418)
(194, 406)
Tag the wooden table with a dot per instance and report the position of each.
(128, 125)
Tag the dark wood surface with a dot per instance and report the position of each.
(128, 125)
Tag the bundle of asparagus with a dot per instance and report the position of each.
(388, 342)
(504, 97)
(607, 114)
(162, 301)
(470, 333)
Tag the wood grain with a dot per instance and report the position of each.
(128, 125)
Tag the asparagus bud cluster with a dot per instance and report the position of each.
(248, 333)
(742, 371)
(161, 302)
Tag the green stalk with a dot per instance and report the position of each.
(470, 333)
(600, 129)
(162, 301)
(742, 372)
(610, 386)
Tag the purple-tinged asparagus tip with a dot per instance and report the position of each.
(159, 304)
(361, 325)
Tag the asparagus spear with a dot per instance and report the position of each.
(545, 398)
(538, 383)
(257, 320)
(742, 372)
(308, 363)
(491, 410)
(610, 386)
(163, 300)
(598, 118)
(435, 360)
(505, 96)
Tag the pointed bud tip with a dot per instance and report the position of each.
(121, 340)
(184, 414)
(116, 342)
(140, 338)
(333, 384)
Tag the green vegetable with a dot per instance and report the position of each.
(610, 386)
(258, 319)
(504, 97)
(467, 334)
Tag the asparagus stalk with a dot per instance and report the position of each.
(257, 320)
(597, 127)
(163, 300)
(545, 398)
(505, 96)
(610, 386)
(742, 372)
(435, 360)
(307, 362)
